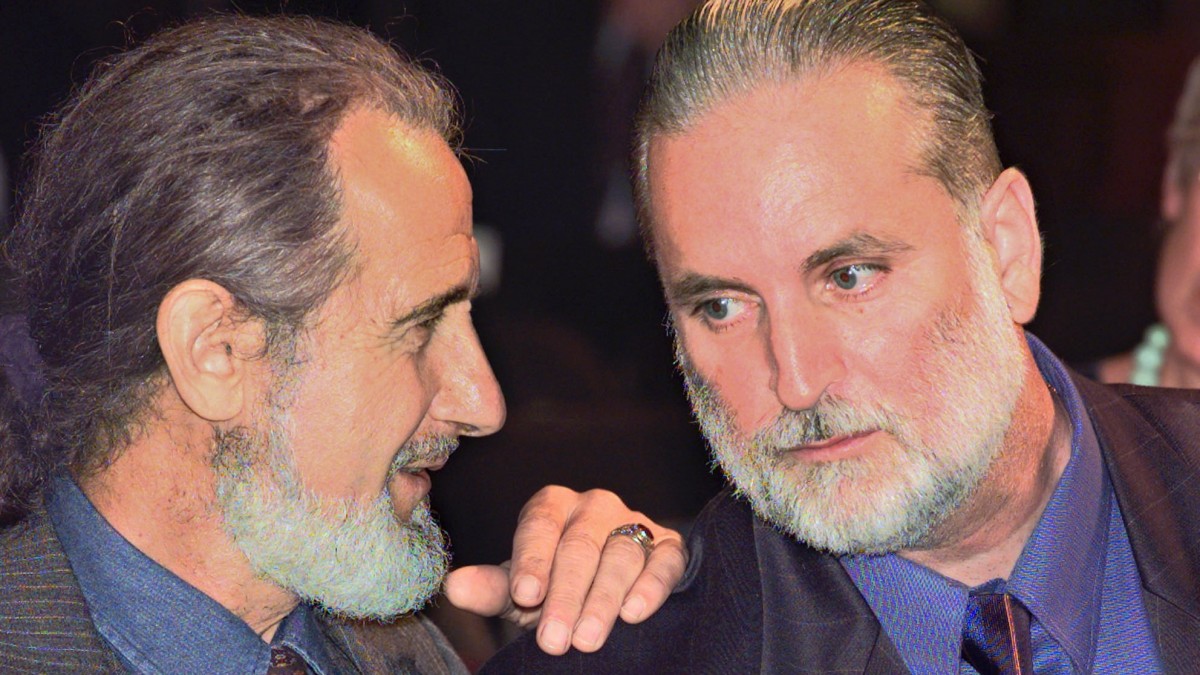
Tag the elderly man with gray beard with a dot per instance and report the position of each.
(246, 258)
(918, 485)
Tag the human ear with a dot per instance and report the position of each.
(204, 343)
(1009, 221)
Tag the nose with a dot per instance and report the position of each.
(805, 359)
(468, 396)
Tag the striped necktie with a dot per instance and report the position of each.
(996, 635)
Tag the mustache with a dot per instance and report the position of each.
(423, 450)
(830, 417)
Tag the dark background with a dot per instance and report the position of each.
(1082, 91)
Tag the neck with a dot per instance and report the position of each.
(160, 495)
(983, 539)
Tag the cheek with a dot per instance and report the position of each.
(369, 396)
(351, 419)
(887, 355)
(735, 363)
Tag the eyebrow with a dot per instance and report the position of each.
(854, 246)
(692, 287)
(435, 306)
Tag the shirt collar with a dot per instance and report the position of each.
(156, 622)
(1058, 575)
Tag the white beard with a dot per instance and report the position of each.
(353, 560)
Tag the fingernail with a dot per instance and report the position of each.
(526, 591)
(555, 636)
(634, 608)
(588, 632)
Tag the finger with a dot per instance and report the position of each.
(570, 579)
(621, 562)
(661, 575)
(535, 543)
(479, 589)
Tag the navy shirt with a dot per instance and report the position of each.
(1076, 575)
(155, 621)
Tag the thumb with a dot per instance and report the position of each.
(479, 589)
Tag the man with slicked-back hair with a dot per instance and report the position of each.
(245, 261)
(917, 484)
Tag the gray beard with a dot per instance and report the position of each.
(353, 560)
(896, 496)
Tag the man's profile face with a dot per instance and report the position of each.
(388, 375)
(811, 268)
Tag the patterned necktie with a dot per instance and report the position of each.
(284, 661)
(996, 635)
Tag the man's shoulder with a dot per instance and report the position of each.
(47, 627)
(1147, 398)
(1158, 420)
(31, 556)
(1150, 439)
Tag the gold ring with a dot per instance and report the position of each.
(640, 534)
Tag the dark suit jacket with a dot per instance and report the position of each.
(45, 626)
(754, 600)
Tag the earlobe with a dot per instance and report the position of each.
(199, 335)
(1009, 220)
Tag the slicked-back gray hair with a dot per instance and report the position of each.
(728, 47)
(202, 154)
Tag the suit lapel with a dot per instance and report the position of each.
(1153, 475)
(814, 618)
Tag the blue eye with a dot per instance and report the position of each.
(846, 278)
(852, 276)
(720, 313)
(716, 309)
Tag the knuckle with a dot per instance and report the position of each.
(662, 582)
(532, 563)
(542, 498)
(673, 553)
(604, 597)
(662, 578)
(605, 497)
(539, 522)
(579, 543)
(563, 603)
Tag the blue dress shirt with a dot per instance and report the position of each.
(155, 621)
(1076, 575)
